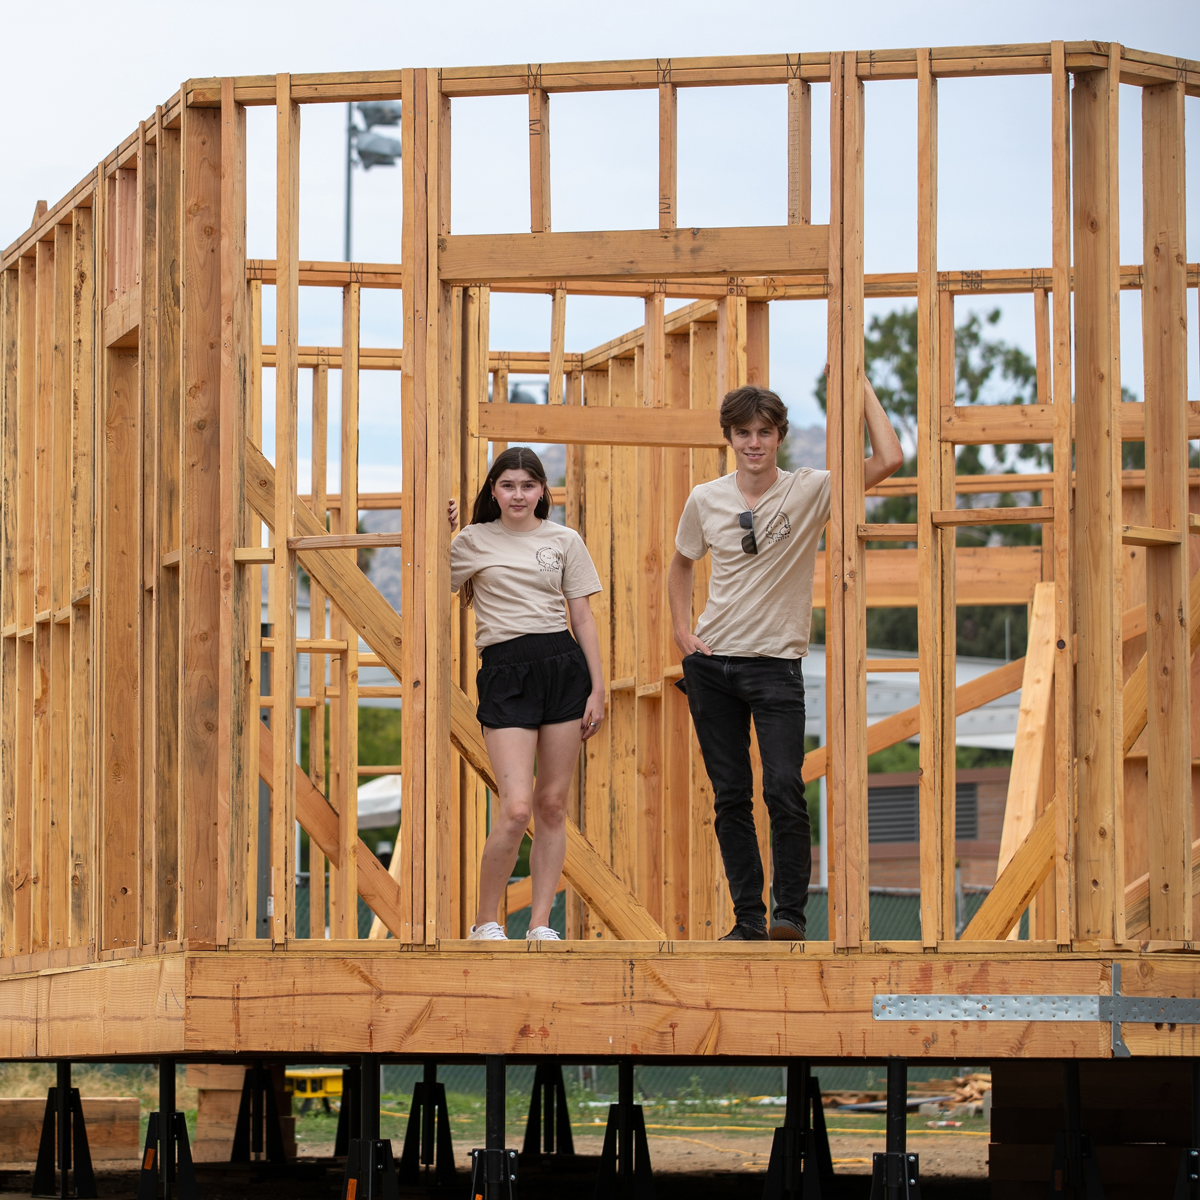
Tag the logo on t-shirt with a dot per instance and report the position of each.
(778, 528)
(549, 559)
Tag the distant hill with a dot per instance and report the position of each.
(806, 446)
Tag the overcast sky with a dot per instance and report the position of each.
(77, 78)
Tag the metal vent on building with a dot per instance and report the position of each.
(893, 813)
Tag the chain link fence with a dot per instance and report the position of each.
(700, 1085)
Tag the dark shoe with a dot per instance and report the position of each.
(788, 931)
(746, 933)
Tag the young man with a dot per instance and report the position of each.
(762, 526)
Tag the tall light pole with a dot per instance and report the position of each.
(349, 169)
(369, 148)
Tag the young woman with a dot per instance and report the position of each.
(541, 693)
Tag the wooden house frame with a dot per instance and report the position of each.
(135, 489)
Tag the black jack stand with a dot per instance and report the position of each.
(801, 1166)
(548, 1110)
(1187, 1187)
(258, 1102)
(494, 1168)
(370, 1167)
(349, 1126)
(64, 1117)
(427, 1141)
(1075, 1163)
(625, 1172)
(167, 1156)
(895, 1174)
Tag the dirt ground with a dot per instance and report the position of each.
(685, 1164)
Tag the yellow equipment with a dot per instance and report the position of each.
(307, 1084)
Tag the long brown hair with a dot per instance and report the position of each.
(487, 508)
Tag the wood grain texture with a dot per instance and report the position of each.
(320, 821)
(633, 254)
(778, 1004)
(112, 1127)
(316, 669)
(146, 313)
(676, 723)
(166, 652)
(60, 595)
(991, 424)
(625, 598)
(668, 155)
(933, 548)
(597, 884)
(1037, 689)
(835, 611)
(414, 416)
(1017, 883)
(131, 1006)
(799, 152)
(558, 333)
(344, 873)
(1168, 656)
(539, 160)
(281, 914)
(43, 512)
(850, 822)
(441, 818)
(627, 426)
(200, 523)
(121, 593)
(240, 601)
(1064, 541)
(1098, 855)
(596, 812)
(378, 624)
(1133, 704)
(9, 442)
(907, 723)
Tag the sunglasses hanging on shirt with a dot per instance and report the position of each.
(749, 543)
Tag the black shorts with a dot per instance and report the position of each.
(539, 679)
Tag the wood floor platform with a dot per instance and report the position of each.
(670, 1000)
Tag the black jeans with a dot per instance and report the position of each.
(723, 694)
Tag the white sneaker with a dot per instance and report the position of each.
(542, 933)
(489, 931)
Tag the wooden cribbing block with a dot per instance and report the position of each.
(218, 1098)
(112, 1127)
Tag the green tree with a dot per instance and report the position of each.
(987, 370)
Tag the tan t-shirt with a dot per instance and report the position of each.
(521, 579)
(759, 605)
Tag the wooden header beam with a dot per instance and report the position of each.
(1139, 68)
(775, 286)
(633, 253)
(599, 426)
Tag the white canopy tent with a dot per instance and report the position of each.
(379, 803)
